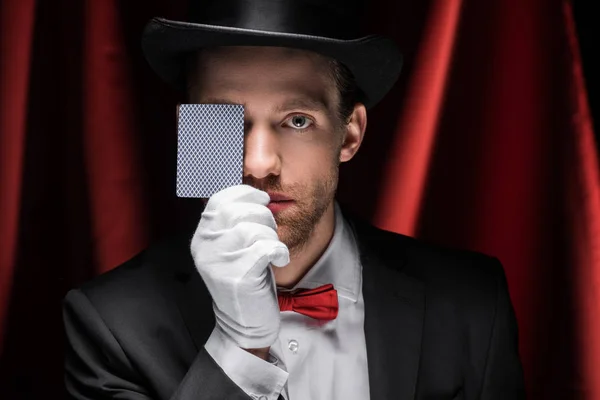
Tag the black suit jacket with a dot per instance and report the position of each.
(439, 324)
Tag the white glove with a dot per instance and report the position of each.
(233, 246)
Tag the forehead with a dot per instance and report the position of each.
(262, 71)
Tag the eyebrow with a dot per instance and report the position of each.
(214, 100)
(304, 103)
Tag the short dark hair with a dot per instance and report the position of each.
(345, 83)
(349, 92)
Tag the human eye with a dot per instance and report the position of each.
(299, 122)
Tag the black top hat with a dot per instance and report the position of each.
(328, 27)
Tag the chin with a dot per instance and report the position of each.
(283, 232)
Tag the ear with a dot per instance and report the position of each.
(354, 133)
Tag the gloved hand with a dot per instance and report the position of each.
(233, 247)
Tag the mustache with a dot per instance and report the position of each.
(270, 183)
(273, 183)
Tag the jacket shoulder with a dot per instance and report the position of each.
(144, 281)
(441, 269)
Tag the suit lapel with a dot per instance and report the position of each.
(394, 313)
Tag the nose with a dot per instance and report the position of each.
(261, 152)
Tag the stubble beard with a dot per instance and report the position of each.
(296, 225)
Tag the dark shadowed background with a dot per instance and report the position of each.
(486, 142)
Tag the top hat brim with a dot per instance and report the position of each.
(374, 60)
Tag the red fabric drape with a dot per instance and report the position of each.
(531, 193)
(486, 143)
(583, 202)
(16, 31)
(112, 162)
(406, 173)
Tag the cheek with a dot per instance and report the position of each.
(318, 146)
(307, 161)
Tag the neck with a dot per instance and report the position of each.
(302, 261)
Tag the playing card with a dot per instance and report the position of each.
(210, 148)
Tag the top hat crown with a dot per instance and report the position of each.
(327, 27)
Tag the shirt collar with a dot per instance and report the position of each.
(339, 264)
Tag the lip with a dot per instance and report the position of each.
(277, 197)
(277, 206)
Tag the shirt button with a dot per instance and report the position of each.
(263, 398)
(293, 346)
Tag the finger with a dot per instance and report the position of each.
(280, 256)
(245, 234)
(264, 253)
(232, 243)
(238, 193)
(231, 214)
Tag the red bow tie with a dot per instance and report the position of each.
(320, 303)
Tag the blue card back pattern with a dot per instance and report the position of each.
(210, 148)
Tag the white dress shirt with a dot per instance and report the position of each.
(311, 360)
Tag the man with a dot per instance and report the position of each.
(279, 294)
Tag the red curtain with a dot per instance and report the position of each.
(486, 143)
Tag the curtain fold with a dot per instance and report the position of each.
(119, 219)
(16, 33)
(405, 174)
(583, 200)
